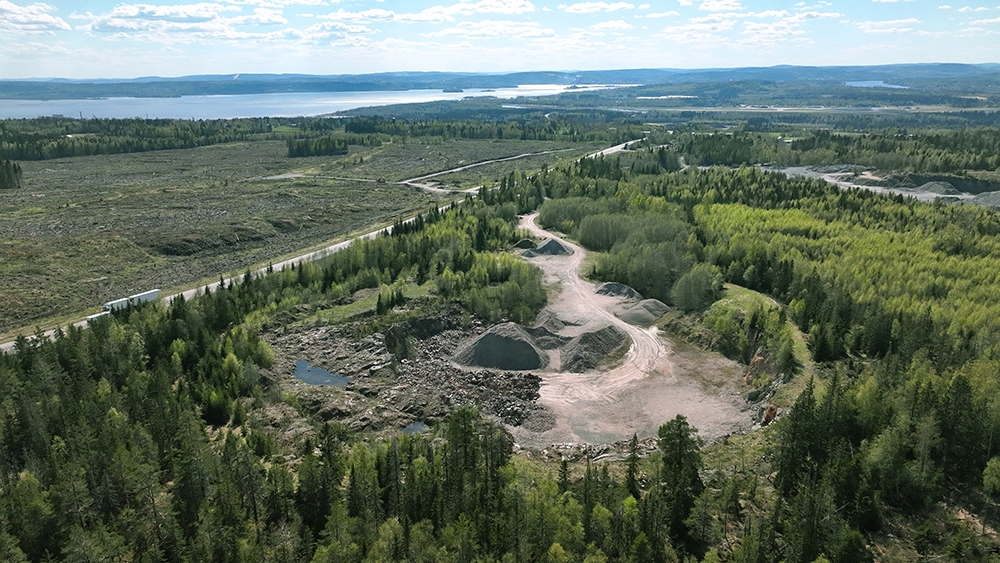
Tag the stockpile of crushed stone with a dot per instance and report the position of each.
(643, 313)
(507, 346)
(546, 339)
(616, 289)
(551, 247)
(547, 320)
(590, 349)
(525, 243)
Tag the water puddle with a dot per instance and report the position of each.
(317, 376)
(415, 428)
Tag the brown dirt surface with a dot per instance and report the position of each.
(654, 381)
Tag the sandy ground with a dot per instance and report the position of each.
(650, 385)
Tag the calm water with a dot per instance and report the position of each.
(317, 376)
(415, 428)
(250, 105)
(874, 84)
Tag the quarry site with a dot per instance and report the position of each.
(590, 370)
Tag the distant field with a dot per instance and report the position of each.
(86, 230)
(418, 157)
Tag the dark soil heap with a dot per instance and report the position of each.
(590, 349)
(507, 346)
(551, 247)
(616, 289)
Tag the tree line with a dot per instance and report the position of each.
(11, 175)
(950, 152)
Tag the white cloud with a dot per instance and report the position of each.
(592, 7)
(887, 26)
(644, 6)
(891, 1)
(487, 29)
(277, 3)
(663, 14)
(990, 21)
(436, 14)
(787, 25)
(944, 7)
(614, 25)
(970, 9)
(720, 5)
(33, 18)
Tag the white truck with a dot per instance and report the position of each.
(144, 297)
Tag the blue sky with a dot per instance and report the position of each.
(104, 39)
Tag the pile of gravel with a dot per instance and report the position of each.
(547, 320)
(616, 289)
(591, 349)
(546, 339)
(507, 346)
(551, 247)
(643, 313)
(525, 243)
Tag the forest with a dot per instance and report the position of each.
(142, 438)
(59, 137)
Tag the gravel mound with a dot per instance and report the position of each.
(507, 346)
(547, 320)
(545, 338)
(590, 349)
(551, 247)
(943, 188)
(525, 243)
(644, 313)
(616, 289)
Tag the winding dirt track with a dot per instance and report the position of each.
(644, 390)
(578, 301)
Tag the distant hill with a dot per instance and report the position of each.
(985, 75)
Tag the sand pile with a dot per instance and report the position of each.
(591, 349)
(551, 247)
(616, 289)
(643, 313)
(507, 346)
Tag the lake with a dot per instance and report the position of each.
(254, 105)
(874, 84)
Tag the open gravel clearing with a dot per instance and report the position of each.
(650, 385)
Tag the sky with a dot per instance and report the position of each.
(113, 39)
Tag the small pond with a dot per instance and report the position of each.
(415, 428)
(317, 376)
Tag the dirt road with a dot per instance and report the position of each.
(644, 390)
(416, 182)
